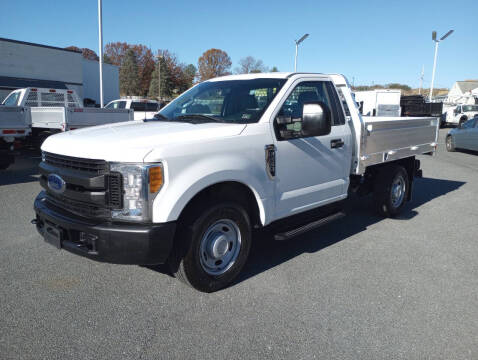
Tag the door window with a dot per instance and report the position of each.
(12, 99)
(138, 106)
(469, 124)
(306, 92)
(116, 105)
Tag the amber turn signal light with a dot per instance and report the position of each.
(155, 179)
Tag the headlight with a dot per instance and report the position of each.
(141, 183)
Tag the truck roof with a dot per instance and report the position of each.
(267, 75)
(272, 75)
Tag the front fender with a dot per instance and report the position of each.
(186, 179)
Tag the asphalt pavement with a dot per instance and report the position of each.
(360, 288)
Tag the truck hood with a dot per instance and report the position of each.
(131, 141)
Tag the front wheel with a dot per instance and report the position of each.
(213, 248)
(450, 146)
(391, 189)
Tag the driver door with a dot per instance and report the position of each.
(311, 171)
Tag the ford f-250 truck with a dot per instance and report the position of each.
(230, 155)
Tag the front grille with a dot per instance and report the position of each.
(91, 166)
(77, 207)
(113, 186)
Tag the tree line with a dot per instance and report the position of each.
(138, 68)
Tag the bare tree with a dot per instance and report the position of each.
(250, 65)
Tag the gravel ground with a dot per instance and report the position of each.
(360, 288)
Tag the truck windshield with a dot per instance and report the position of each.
(470, 108)
(231, 101)
(12, 99)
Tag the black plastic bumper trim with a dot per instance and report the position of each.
(139, 244)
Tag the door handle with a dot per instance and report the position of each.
(336, 143)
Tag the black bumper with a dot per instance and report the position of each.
(140, 244)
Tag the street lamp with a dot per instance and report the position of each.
(434, 38)
(297, 42)
(100, 45)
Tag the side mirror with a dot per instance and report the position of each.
(316, 119)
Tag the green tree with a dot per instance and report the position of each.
(188, 75)
(128, 74)
(274, 69)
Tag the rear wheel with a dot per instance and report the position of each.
(211, 249)
(391, 189)
(450, 146)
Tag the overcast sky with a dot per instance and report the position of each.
(368, 41)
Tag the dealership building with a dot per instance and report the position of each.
(24, 64)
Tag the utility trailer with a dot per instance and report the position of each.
(14, 128)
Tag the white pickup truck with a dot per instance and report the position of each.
(232, 154)
(58, 110)
(144, 109)
(460, 114)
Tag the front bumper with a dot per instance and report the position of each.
(119, 243)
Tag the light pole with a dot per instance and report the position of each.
(297, 42)
(434, 38)
(100, 40)
(159, 76)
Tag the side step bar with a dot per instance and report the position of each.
(307, 227)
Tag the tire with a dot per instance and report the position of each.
(462, 121)
(6, 161)
(211, 249)
(389, 199)
(450, 146)
(40, 139)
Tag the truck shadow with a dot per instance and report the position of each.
(24, 170)
(267, 253)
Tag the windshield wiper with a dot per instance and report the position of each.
(158, 116)
(203, 118)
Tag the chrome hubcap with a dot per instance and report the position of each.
(398, 191)
(220, 246)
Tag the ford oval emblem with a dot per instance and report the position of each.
(56, 184)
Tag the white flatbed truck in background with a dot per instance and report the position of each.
(58, 110)
(280, 151)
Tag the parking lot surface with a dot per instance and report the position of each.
(360, 288)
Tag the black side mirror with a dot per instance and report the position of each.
(316, 119)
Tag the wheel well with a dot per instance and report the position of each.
(365, 185)
(463, 118)
(225, 191)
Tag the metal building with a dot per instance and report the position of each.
(24, 64)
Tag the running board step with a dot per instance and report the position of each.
(307, 227)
